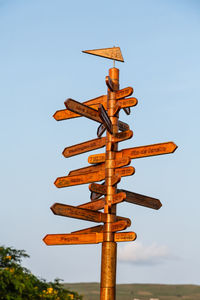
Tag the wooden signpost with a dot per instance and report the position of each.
(110, 166)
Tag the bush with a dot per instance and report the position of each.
(17, 283)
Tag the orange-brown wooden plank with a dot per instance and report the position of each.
(94, 205)
(129, 102)
(137, 152)
(122, 136)
(98, 188)
(78, 213)
(83, 110)
(125, 92)
(123, 126)
(89, 169)
(66, 181)
(73, 239)
(84, 147)
(119, 225)
(124, 236)
(141, 199)
(126, 171)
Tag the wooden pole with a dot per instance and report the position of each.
(109, 247)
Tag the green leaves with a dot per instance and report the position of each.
(18, 283)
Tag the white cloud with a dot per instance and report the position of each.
(137, 253)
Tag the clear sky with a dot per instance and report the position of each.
(42, 65)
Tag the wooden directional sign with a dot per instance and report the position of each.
(129, 102)
(150, 150)
(89, 169)
(124, 93)
(141, 200)
(105, 118)
(119, 197)
(83, 110)
(125, 236)
(85, 238)
(122, 162)
(94, 205)
(119, 225)
(84, 147)
(98, 188)
(137, 152)
(123, 126)
(78, 213)
(126, 171)
(102, 190)
(66, 181)
(73, 239)
(110, 53)
(122, 136)
(94, 196)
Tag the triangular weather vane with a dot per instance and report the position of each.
(110, 53)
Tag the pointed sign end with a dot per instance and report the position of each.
(45, 239)
(53, 208)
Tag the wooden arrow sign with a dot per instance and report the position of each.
(94, 196)
(89, 169)
(125, 236)
(94, 205)
(83, 110)
(138, 152)
(141, 200)
(98, 188)
(102, 190)
(73, 239)
(66, 181)
(85, 238)
(84, 147)
(123, 126)
(126, 171)
(119, 225)
(122, 136)
(124, 93)
(78, 213)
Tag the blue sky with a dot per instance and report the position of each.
(41, 66)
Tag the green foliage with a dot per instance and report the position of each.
(18, 283)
